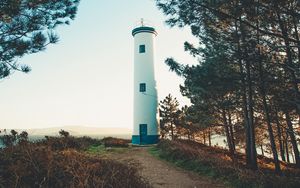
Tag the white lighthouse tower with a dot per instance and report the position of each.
(145, 127)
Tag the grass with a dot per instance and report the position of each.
(96, 149)
(196, 166)
(191, 165)
(154, 151)
(102, 150)
(210, 162)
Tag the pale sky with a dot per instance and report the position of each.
(87, 78)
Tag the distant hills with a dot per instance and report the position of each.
(80, 131)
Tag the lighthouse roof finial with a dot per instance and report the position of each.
(142, 22)
(142, 27)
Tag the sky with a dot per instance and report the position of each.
(87, 78)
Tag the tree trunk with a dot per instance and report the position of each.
(293, 138)
(250, 115)
(172, 131)
(287, 147)
(267, 113)
(231, 130)
(229, 142)
(209, 137)
(249, 90)
(298, 46)
(271, 136)
(293, 157)
(279, 132)
(244, 99)
(262, 150)
(296, 35)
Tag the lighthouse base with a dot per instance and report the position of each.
(145, 140)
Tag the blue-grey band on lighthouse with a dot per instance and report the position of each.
(143, 29)
(145, 121)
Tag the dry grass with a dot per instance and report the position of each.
(59, 162)
(115, 142)
(215, 162)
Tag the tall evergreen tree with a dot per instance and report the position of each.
(169, 113)
(27, 26)
(256, 43)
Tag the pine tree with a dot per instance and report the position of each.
(169, 114)
(256, 43)
(27, 26)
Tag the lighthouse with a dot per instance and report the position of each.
(145, 121)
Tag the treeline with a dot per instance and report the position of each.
(247, 80)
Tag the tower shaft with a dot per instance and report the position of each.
(145, 128)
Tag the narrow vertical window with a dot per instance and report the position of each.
(142, 48)
(142, 87)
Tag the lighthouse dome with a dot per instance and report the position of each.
(143, 29)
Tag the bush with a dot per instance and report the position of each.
(35, 165)
(69, 142)
(9, 140)
(115, 142)
(58, 162)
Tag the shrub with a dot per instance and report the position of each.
(58, 162)
(34, 165)
(13, 138)
(115, 142)
(69, 142)
(64, 133)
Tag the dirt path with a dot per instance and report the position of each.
(161, 174)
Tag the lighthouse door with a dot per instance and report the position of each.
(143, 133)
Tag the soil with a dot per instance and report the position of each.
(161, 174)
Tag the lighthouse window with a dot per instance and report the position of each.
(142, 87)
(142, 48)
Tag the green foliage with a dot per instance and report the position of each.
(169, 114)
(14, 138)
(27, 26)
(64, 133)
(247, 79)
(70, 142)
(174, 66)
(96, 149)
